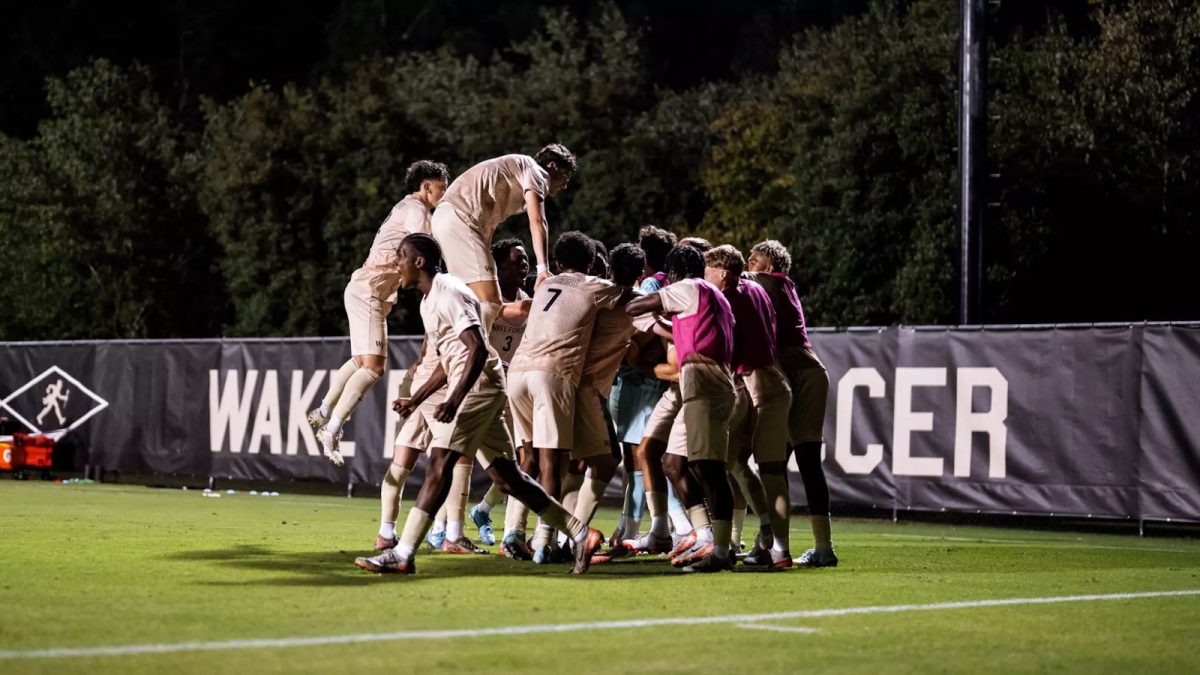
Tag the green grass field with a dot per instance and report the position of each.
(114, 566)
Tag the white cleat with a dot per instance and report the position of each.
(329, 445)
(316, 420)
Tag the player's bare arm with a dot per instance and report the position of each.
(437, 380)
(476, 358)
(644, 305)
(539, 234)
(516, 311)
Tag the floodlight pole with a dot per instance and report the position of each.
(972, 148)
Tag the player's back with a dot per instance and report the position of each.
(606, 349)
(560, 323)
(490, 192)
(379, 275)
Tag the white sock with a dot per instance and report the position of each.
(483, 507)
(454, 530)
(704, 535)
(387, 530)
(679, 519)
(325, 410)
(439, 526)
(334, 425)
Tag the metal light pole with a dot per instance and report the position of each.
(972, 148)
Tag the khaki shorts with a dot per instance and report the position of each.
(663, 417)
(478, 427)
(707, 402)
(741, 420)
(368, 323)
(810, 392)
(771, 403)
(466, 251)
(415, 433)
(591, 430)
(544, 404)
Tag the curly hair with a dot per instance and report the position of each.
(421, 171)
(627, 262)
(501, 250)
(699, 243)
(777, 253)
(684, 262)
(657, 243)
(560, 155)
(726, 257)
(574, 251)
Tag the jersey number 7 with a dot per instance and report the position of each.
(556, 292)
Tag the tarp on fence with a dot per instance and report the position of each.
(1099, 421)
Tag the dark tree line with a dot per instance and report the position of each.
(162, 198)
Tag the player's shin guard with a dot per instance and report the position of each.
(337, 383)
(415, 529)
(488, 313)
(589, 498)
(808, 459)
(390, 494)
(358, 384)
(780, 511)
(456, 501)
(516, 517)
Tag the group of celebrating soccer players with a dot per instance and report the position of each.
(679, 360)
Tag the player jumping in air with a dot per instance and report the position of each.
(369, 298)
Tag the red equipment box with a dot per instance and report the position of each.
(27, 451)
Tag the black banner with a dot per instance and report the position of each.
(1080, 421)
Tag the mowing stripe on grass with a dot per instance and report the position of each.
(315, 641)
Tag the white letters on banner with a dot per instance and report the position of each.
(906, 421)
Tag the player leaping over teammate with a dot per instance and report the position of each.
(482, 198)
(471, 419)
(369, 298)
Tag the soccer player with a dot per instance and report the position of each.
(768, 265)
(470, 419)
(512, 266)
(703, 332)
(545, 372)
(606, 349)
(636, 391)
(482, 198)
(369, 298)
(755, 355)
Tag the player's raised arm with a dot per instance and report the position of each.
(539, 233)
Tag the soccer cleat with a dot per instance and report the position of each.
(513, 546)
(388, 562)
(584, 550)
(435, 539)
(760, 553)
(709, 563)
(382, 544)
(316, 420)
(684, 543)
(647, 543)
(483, 523)
(329, 445)
(817, 558)
(542, 555)
(619, 536)
(780, 560)
(462, 546)
(698, 550)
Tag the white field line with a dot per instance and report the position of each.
(314, 641)
(1048, 543)
(777, 629)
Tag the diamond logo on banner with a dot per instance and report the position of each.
(53, 401)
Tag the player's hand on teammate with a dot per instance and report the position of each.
(403, 407)
(447, 410)
(541, 277)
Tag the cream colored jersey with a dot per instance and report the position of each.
(560, 323)
(448, 310)
(606, 350)
(379, 276)
(491, 192)
(506, 335)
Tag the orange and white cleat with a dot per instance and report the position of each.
(583, 552)
(462, 546)
(388, 562)
(382, 544)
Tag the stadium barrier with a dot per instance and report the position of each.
(1093, 421)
